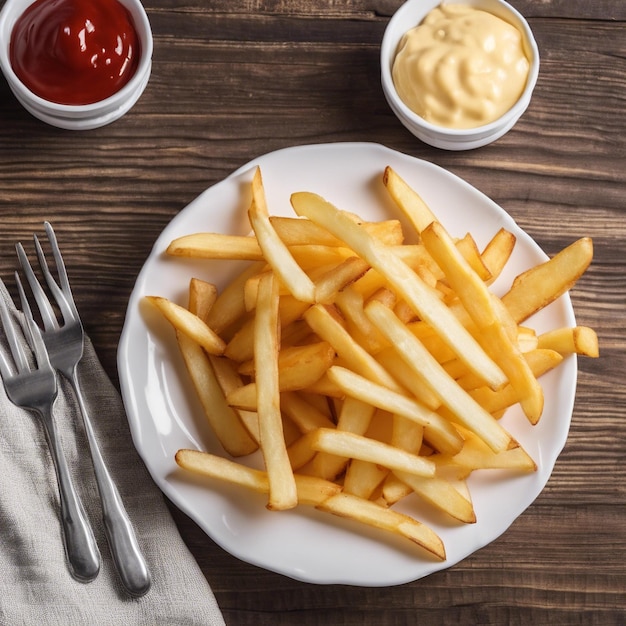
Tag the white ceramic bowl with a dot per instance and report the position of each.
(78, 117)
(410, 14)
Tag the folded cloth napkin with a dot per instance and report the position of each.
(35, 585)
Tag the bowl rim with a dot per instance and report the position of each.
(395, 30)
(10, 13)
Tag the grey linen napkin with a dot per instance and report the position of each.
(35, 585)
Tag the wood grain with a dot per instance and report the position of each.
(233, 79)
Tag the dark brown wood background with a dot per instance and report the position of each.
(233, 79)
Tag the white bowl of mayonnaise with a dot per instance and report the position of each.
(458, 74)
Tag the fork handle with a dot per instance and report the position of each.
(80, 545)
(129, 561)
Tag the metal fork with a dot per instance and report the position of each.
(65, 343)
(36, 390)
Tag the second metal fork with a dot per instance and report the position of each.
(65, 345)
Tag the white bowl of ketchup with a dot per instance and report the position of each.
(76, 64)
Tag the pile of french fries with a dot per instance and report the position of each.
(364, 368)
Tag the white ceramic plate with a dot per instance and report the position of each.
(164, 416)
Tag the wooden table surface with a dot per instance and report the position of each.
(232, 80)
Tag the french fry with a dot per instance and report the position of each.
(534, 289)
(282, 491)
(427, 369)
(241, 346)
(441, 494)
(275, 251)
(412, 205)
(304, 414)
(475, 455)
(226, 374)
(325, 325)
(469, 251)
(216, 246)
(342, 275)
(294, 231)
(372, 514)
(403, 280)
(202, 297)
(438, 431)
(189, 324)
(351, 446)
(230, 304)
(363, 477)
(300, 452)
(350, 303)
(540, 362)
(312, 491)
(318, 356)
(578, 340)
(483, 309)
(228, 428)
(497, 252)
(299, 367)
(389, 359)
(214, 466)
(354, 417)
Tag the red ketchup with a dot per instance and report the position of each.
(75, 51)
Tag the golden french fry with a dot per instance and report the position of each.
(407, 199)
(406, 434)
(291, 309)
(342, 275)
(225, 422)
(540, 362)
(300, 452)
(230, 304)
(315, 491)
(216, 246)
(476, 455)
(350, 303)
(497, 252)
(469, 251)
(442, 494)
(189, 324)
(274, 250)
(390, 360)
(578, 340)
(319, 356)
(402, 279)
(299, 367)
(372, 514)
(534, 289)
(304, 414)
(439, 432)
(224, 469)
(482, 307)
(427, 369)
(363, 477)
(226, 374)
(313, 259)
(202, 297)
(294, 231)
(311, 490)
(393, 491)
(352, 446)
(282, 493)
(325, 325)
